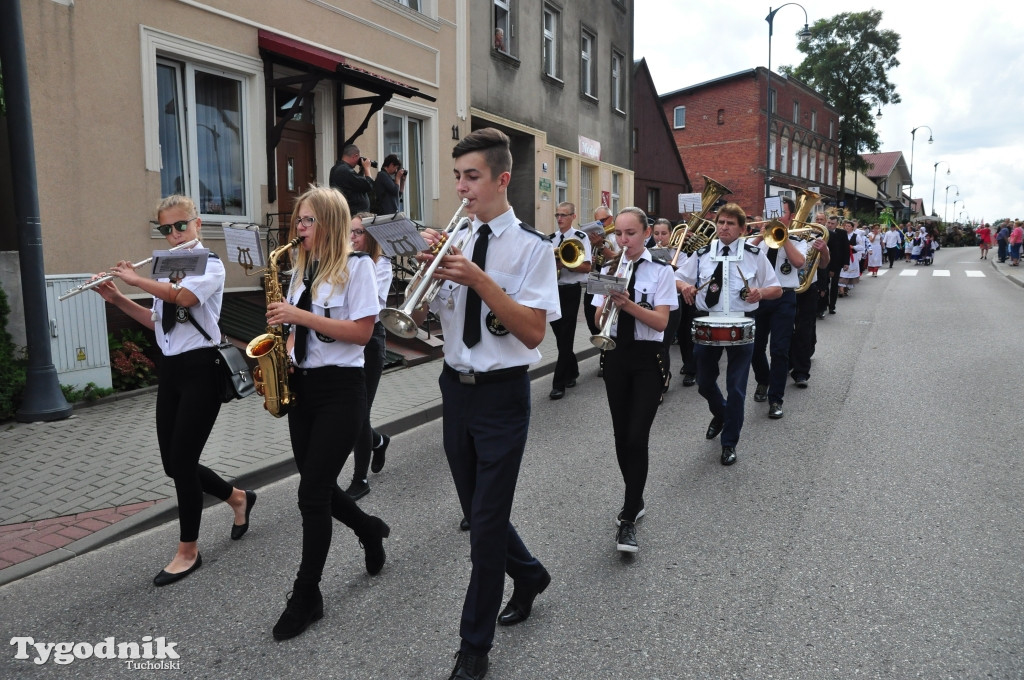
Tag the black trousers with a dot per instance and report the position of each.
(830, 282)
(773, 335)
(187, 404)
(567, 368)
(633, 377)
(588, 313)
(805, 335)
(684, 334)
(674, 317)
(894, 255)
(323, 423)
(373, 366)
(485, 428)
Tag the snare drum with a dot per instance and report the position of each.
(721, 331)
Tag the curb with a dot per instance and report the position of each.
(258, 475)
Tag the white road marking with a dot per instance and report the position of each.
(974, 274)
(940, 272)
(908, 272)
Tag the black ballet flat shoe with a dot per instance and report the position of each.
(464, 525)
(379, 453)
(165, 578)
(238, 530)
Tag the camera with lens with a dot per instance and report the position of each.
(373, 164)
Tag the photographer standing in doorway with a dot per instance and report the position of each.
(351, 176)
(390, 185)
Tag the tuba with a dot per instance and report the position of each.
(698, 232)
(806, 200)
(271, 375)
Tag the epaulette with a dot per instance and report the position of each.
(358, 253)
(526, 227)
(750, 248)
(214, 255)
(660, 260)
(703, 251)
(580, 235)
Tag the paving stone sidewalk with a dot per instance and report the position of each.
(70, 486)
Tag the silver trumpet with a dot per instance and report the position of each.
(110, 277)
(609, 313)
(424, 287)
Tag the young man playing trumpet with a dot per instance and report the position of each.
(570, 279)
(494, 306)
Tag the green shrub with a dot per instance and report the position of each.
(131, 368)
(12, 366)
(91, 392)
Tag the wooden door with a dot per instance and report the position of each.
(296, 164)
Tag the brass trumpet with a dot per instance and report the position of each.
(424, 287)
(697, 232)
(609, 313)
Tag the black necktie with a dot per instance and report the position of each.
(627, 322)
(305, 303)
(773, 255)
(715, 287)
(170, 311)
(471, 326)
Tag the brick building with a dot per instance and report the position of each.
(719, 128)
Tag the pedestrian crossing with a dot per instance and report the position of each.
(969, 273)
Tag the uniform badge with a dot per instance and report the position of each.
(714, 288)
(786, 267)
(324, 338)
(494, 325)
(181, 315)
(645, 304)
(744, 292)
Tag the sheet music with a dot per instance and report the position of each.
(243, 244)
(689, 203)
(396, 234)
(602, 284)
(773, 207)
(177, 264)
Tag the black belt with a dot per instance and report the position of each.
(788, 290)
(485, 377)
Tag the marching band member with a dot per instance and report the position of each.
(494, 307)
(774, 318)
(369, 440)
(661, 232)
(331, 306)
(726, 277)
(805, 331)
(188, 393)
(634, 370)
(569, 280)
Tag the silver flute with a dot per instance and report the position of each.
(89, 285)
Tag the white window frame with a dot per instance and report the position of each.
(618, 81)
(156, 45)
(428, 117)
(562, 175)
(550, 39)
(784, 156)
(589, 200)
(814, 121)
(588, 42)
(509, 7)
(796, 112)
(771, 152)
(773, 98)
(616, 191)
(679, 118)
(812, 165)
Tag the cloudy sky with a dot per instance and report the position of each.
(961, 73)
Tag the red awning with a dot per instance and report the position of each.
(335, 65)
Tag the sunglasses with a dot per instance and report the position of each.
(165, 229)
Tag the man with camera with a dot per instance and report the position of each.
(390, 185)
(351, 176)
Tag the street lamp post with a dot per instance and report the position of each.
(935, 175)
(955, 201)
(804, 34)
(910, 194)
(946, 203)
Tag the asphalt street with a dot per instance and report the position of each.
(875, 531)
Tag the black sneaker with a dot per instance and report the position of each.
(625, 538)
(357, 489)
(620, 518)
(775, 410)
(761, 393)
(377, 462)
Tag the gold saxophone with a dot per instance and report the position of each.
(271, 375)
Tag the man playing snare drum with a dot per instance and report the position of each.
(726, 279)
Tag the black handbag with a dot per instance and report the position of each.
(238, 382)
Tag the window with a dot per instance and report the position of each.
(803, 162)
(812, 164)
(411, 4)
(771, 101)
(795, 165)
(831, 129)
(636, 139)
(552, 19)
(402, 135)
(784, 156)
(721, 116)
(588, 173)
(653, 200)
(203, 136)
(814, 121)
(616, 191)
(679, 117)
(587, 84)
(505, 27)
(821, 166)
(562, 180)
(771, 153)
(618, 82)
(831, 169)
(796, 112)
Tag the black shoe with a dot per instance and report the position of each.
(625, 538)
(464, 525)
(831, 311)
(800, 382)
(728, 455)
(238, 530)
(557, 392)
(620, 518)
(821, 315)
(775, 410)
(357, 489)
(521, 603)
(761, 393)
(469, 667)
(377, 463)
(714, 428)
(600, 373)
(165, 579)
(571, 383)
(689, 380)
(373, 544)
(304, 607)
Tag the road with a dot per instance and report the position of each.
(875, 531)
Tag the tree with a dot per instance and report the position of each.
(848, 62)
